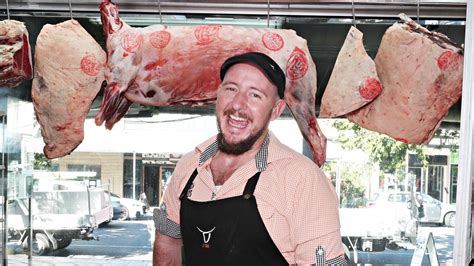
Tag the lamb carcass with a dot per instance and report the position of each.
(421, 75)
(163, 65)
(15, 54)
(69, 73)
(354, 81)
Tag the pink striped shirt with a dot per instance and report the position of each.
(296, 201)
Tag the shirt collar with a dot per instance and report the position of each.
(261, 158)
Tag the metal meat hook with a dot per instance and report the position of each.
(8, 11)
(418, 12)
(353, 14)
(70, 9)
(268, 14)
(159, 11)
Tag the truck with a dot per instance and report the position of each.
(61, 210)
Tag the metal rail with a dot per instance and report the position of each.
(435, 9)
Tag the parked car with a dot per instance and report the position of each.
(434, 210)
(125, 208)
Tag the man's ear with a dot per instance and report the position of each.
(278, 108)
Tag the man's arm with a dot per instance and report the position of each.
(166, 250)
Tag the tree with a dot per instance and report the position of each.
(41, 162)
(387, 152)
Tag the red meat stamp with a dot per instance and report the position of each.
(272, 41)
(131, 40)
(206, 34)
(449, 59)
(90, 66)
(297, 64)
(370, 89)
(160, 39)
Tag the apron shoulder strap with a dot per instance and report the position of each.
(251, 184)
(188, 184)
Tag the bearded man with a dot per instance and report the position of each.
(242, 197)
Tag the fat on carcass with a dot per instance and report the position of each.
(353, 82)
(69, 71)
(15, 54)
(421, 75)
(164, 65)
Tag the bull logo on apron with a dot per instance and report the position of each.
(206, 236)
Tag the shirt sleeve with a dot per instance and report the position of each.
(166, 217)
(315, 226)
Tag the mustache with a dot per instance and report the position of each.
(238, 113)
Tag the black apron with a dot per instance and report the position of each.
(226, 232)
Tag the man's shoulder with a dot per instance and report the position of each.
(282, 154)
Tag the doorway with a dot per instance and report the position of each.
(435, 181)
(155, 179)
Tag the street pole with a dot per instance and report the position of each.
(133, 175)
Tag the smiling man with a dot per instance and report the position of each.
(242, 197)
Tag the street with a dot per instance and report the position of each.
(120, 243)
(129, 243)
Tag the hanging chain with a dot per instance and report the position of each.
(8, 11)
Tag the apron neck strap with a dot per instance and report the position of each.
(188, 184)
(251, 184)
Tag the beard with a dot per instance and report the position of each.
(240, 147)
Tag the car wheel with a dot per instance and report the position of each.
(63, 241)
(40, 245)
(450, 219)
(125, 214)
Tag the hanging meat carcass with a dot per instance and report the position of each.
(15, 54)
(69, 71)
(421, 76)
(354, 81)
(163, 65)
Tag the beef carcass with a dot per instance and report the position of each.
(163, 65)
(421, 76)
(15, 54)
(69, 71)
(354, 81)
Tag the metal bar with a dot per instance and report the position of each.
(462, 233)
(447, 10)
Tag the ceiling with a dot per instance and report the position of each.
(325, 34)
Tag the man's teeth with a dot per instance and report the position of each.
(238, 118)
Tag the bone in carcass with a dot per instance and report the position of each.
(69, 71)
(15, 54)
(163, 65)
(354, 81)
(421, 76)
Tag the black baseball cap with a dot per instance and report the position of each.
(265, 63)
